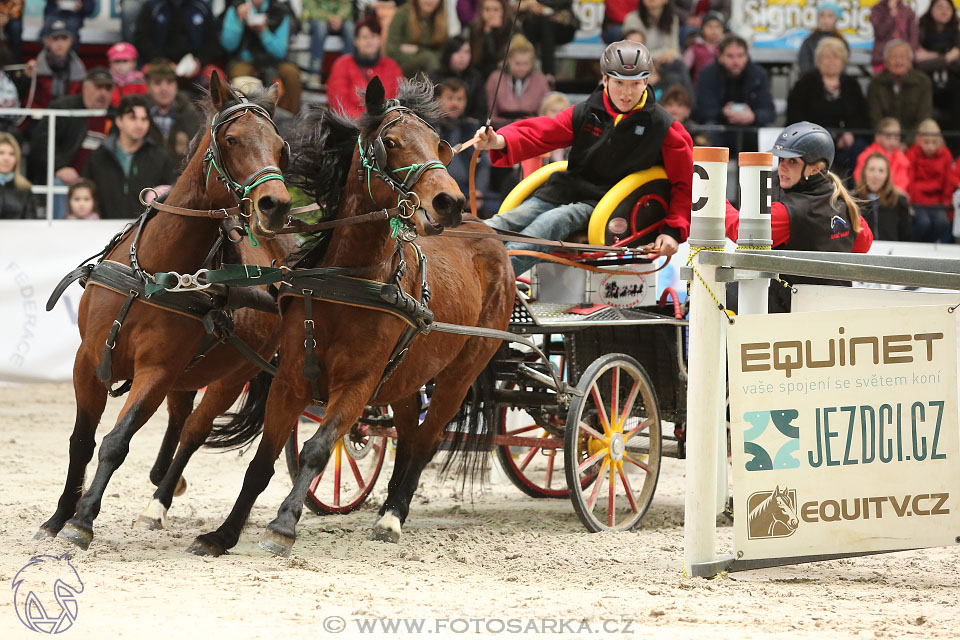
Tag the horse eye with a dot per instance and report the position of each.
(232, 141)
(390, 143)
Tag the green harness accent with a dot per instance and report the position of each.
(253, 240)
(238, 275)
(369, 166)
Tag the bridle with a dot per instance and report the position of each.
(373, 161)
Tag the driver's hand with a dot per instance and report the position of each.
(490, 139)
(665, 245)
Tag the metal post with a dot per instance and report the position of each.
(51, 149)
(755, 186)
(707, 366)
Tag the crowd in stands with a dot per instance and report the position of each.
(889, 119)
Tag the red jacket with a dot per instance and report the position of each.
(534, 136)
(932, 180)
(137, 87)
(347, 76)
(780, 227)
(899, 165)
(616, 10)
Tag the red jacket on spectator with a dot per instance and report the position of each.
(73, 76)
(346, 75)
(899, 165)
(136, 87)
(932, 181)
(616, 10)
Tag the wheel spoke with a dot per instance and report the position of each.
(596, 485)
(636, 462)
(356, 472)
(626, 486)
(528, 458)
(336, 473)
(628, 405)
(522, 430)
(643, 425)
(591, 431)
(592, 459)
(315, 483)
(615, 393)
(550, 463)
(611, 504)
(601, 411)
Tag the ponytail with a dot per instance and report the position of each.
(840, 191)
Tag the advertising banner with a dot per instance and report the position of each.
(844, 431)
(37, 346)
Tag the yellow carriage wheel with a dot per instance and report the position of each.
(597, 229)
(529, 184)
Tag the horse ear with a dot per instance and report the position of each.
(274, 92)
(374, 95)
(217, 94)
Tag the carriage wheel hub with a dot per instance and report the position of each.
(617, 446)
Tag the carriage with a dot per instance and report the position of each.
(618, 350)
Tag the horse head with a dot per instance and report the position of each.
(402, 160)
(784, 510)
(247, 152)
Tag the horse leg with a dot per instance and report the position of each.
(179, 407)
(286, 401)
(218, 398)
(406, 420)
(91, 400)
(344, 409)
(148, 391)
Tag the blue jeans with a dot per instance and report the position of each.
(14, 34)
(931, 224)
(319, 30)
(536, 217)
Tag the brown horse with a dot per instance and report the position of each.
(349, 169)
(155, 344)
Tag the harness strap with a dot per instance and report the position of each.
(515, 236)
(105, 368)
(195, 213)
(311, 368)
(586, 267)
(297, 226)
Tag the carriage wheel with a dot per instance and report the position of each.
(351, 472)
(536, 471)
(613, 435)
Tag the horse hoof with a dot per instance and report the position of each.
(154, 517)
(181, 488)
(80, 537)
(44, 534)
(201, 547)
(387, 529)
(277, 543)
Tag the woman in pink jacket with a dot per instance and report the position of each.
(351, 71)
(891, 20)
(522, 88)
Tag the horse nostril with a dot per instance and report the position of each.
(267, 203)
(447, 204)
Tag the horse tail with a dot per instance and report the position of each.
(466, 456)
(243, 426)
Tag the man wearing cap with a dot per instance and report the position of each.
(58, 69)
(127, 79)
(70, 13)
(175, 118)
(618, 130)
(76, 138)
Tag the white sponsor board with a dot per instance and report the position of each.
(37, 346)
(844, 431)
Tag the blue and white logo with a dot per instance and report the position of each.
(45, 594)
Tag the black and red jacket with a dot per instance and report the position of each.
(606, 146)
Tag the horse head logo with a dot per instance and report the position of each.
(45, 594)
(838, 225)
(772, 514)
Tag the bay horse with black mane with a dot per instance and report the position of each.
(391, 160)
(155, 341)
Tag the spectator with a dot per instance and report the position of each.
(678, 102)
(522, 88)
(552, 105)
(693, 12)
(614, 13)
(58, 70)
(11, 24)
(417, 33)
(900, 91)
(71, 13)
(932, 184)
(661, 30)
(285, 121)
(325, 17)
(15, 199)
(9, 97)
(489, 32)
(891, 20)
(827, 15)
(549, 24)
(704, 50)
(181, 30)
(831, 98)
(353, 71)
(128, 161)
(466, 11)
(127, 79)
(884, 207)
(455, 63)
(129, 11)
(76, 138)
(82, 201)
(887, 142)
(175, 118)
(256, 36)
(939, 57)
(457, 127)
(734, 91)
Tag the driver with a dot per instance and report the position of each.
(618, 130)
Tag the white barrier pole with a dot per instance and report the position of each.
(707, 366)
(51, 149)
(755, 186)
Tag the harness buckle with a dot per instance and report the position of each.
(255, 267)
(246, 205)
